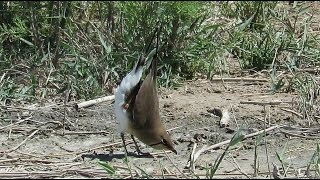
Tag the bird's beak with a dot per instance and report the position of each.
(173, 150)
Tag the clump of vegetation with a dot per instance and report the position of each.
(48, 48)
(88, 46)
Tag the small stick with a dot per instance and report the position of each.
(255, 94)
(174, 128)
(175, 165)
(9, 160)
(158, 153)
(238, 167)
(10, 130)
(234, 117)
(298, 135)
(68, 165)
(120, 167)
(53, 122)
(13, 149)
(192, 166)
(309, 70)
(65, 118)
(239, 79)
(94, 101)
(29, 160)
(65, 109)
(293, 112)
(85, 132)
(228, 141)
(11, 107)
(264, 103)
(265, 139)
(27, 154)
(168, 171)
(2, 77)
(15, 123)
(77, 153)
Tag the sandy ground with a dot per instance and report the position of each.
(90, 136)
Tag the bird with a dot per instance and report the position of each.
(137, 106)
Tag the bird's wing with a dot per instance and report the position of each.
(131, 98)
(146, 105)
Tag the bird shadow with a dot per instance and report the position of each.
(111, 156)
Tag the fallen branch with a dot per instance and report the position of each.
(94, 101)
(228, 141)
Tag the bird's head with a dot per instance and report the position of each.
(159, 140)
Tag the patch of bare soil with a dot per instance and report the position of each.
(33, 144)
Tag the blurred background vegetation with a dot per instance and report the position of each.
(48, 48)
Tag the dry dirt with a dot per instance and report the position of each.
(90, 136)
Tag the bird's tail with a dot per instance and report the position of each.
(142, 57)
(155, 57)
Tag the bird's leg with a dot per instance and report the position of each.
(124, 143)
(137, 147)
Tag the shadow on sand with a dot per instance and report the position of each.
(110, 156)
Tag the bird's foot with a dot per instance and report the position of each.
(142, 154)
(111, 152)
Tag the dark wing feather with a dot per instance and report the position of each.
(131, 98)
(146, 105)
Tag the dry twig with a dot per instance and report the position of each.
(298, 135)
(228, 141)
(16, 123)
(239, 79)
(293, 112)
(264, 103)
(175, 165)
(15, 148)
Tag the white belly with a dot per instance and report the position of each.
(122, 119)
(125, 87)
